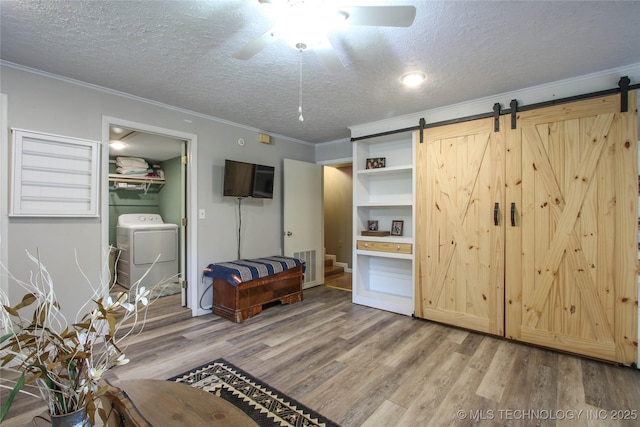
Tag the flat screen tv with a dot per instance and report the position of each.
(248, 180)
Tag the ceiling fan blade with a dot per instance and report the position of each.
(383, 16)
(256, 45)
(328, 56)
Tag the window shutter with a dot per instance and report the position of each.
(53, 176)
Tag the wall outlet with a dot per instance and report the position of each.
(201, 214)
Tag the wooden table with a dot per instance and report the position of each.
(167, 404)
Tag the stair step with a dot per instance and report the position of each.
(329, 260)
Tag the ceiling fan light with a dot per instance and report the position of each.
(413, 79)
(307, 23)
(309, 37)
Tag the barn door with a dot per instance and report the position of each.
(460, 219)
(571, 280)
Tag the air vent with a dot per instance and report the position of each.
(309, 258)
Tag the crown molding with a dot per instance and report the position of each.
(145, 100)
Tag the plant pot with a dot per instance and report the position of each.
(74, 419)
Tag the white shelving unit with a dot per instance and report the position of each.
(383, 274)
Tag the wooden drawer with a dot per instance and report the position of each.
(400, 248)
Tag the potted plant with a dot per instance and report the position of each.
(65, 361)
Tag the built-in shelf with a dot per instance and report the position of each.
(387, 170)
(383, 265)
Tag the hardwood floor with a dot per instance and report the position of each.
(339, 281)
(365, 367)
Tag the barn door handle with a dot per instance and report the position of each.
(513, 214)
(496, 213)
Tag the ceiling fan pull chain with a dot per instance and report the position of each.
(300, 99)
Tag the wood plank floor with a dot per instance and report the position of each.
(365, 367)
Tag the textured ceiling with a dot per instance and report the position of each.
(181, 53)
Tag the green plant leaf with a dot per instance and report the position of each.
(16, 389)
(5, 337)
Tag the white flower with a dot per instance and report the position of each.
(107, 304)
(141, 296)
(127, 306)
(96, 373)
(83, 339)
(121, 360)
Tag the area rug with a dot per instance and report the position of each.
(265, 405)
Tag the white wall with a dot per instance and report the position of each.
(44, 103)
(326, 153)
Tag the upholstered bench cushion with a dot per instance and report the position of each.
(244, 270)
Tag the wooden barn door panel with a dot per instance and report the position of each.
(459, 250)
(571, 279)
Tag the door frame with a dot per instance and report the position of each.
(348, 239)
(191, 273)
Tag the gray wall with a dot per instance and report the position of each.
(41, 103)
(339, 151)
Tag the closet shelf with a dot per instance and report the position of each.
(121, 182)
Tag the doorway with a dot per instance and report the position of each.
(168, 192)
(338, 220)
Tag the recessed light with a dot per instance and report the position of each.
(117, 145)
(413, 79)
(117, 130)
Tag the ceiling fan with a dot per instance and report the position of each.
(304, 24)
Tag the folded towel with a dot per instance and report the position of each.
(132, 162)
(130, 170)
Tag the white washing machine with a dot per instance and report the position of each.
(141, 238)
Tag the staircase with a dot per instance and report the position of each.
(330, 267)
